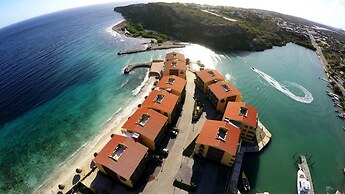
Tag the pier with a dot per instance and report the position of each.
(153, 46)
(304, 166)
(129, 68)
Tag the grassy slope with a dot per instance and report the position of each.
(189, 23)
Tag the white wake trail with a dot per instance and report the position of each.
(307, 98)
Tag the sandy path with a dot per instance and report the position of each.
(65, 173)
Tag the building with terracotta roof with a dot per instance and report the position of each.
(218, 142)
(163, 102)
(245, 117)
(174, 85)
(206, 77)
(175, 56)
(122, 159)
(177, 68)
(156, 68)
(149, 124)
(222, 92)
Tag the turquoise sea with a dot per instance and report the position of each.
(61, 80)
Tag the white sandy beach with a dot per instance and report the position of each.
(65, 173)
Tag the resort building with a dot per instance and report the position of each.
(162, 102)
(243, 116)
(174, 85)
(206, 77)
(175, 56)
(122, 159)
(222, 92)
(218, 142)
(176, 67)
(156, 68)
(148, 126)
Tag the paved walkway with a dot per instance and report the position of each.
(235, 173)
(165, 179)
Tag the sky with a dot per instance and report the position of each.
(329, 12)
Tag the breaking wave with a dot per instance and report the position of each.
(307, 98)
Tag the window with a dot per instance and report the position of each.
(118, 151)
(143, 119)
(222, 132)
(211, 73)
(159, 98)
(225, 87)
(170, 81)
(174, 63)
(243, 111)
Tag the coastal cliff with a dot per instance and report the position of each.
(247, 30)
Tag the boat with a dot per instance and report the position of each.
(245, 182)
(341, 115)
(303, 185)
(252, 68)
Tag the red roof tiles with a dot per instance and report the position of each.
(151, 127)
(161, 101)
(223, 89)
(209, 75)
(233, 112)
(174, 56)
(209, 132)
(180, 65)
(128, 160)
(174, 83)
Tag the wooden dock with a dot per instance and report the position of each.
(129, 68)
(304, 166)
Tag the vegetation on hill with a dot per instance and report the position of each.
(187, 22)
(138, 29)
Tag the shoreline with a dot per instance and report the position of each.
(82, 158)
(149, 46)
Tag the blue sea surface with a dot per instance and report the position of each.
(61, 80)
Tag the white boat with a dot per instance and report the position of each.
(303, 185)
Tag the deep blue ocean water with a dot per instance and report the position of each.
(61, 80)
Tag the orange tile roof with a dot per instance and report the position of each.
(233, 110)
(206, 77)
(157, 67)
(177, 85)
(208, 136)
(167, 104)
(220, 92)
(175, 65)
(151, 127)
(174, 56)
(128, 160)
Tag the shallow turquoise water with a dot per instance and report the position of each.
(313, 129)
